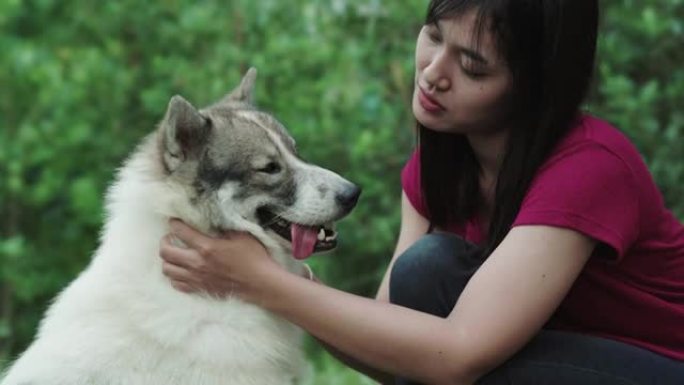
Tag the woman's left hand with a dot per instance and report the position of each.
(226, 266)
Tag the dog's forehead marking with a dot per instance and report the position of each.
(235, 136)
(270, 124)
(283, 141)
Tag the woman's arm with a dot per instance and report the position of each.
(413, 226)
(377, 375)
(380, 377)
(506, 302)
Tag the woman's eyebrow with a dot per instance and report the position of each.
(472, 53)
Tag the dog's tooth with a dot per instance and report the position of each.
(321, 235)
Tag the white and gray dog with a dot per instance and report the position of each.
(228, 166)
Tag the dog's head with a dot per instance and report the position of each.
(239, 169)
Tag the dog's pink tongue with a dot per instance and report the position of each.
(303, 240)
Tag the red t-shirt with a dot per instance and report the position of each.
(595, 182)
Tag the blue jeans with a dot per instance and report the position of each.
(431, 274)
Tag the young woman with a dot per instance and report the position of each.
(550, 257)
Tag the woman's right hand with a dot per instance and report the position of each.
(225, 266)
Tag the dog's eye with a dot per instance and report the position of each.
(270, 168)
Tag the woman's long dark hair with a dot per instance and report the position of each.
(549, 47)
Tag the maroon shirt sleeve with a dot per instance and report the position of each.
(410, 183)
(589, 189)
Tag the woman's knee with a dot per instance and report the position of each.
(430, 272)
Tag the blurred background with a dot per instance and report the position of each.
(81, 82)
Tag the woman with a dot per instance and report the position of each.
(550, 257)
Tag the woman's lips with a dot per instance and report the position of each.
(428, 103)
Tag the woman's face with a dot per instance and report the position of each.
(460, 88)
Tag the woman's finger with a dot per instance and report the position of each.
(229, 234)
(187, 258)
(177, 273)
(191, 237)
(183, 286)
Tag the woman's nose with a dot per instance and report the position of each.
(442, 84)
(436, 73)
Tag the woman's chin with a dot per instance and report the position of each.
(431, 120)
(434, 124)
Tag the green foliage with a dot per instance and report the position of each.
(641, 85)
(81, 82)
(328, 371)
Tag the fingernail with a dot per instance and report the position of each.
(176, 242)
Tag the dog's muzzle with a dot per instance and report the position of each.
(305, 239)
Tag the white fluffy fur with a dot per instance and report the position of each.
(121, 323)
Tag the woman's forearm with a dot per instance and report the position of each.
(390, 338)
(377, 375)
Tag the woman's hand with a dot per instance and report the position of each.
(226, 266)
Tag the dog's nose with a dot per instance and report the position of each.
(347, 199)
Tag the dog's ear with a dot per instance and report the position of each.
(243, 92)
(184, 131)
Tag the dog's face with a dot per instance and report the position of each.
(240, 169)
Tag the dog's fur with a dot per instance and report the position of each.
(121, 323)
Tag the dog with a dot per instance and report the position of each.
(229, 166)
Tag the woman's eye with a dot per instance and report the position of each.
(432, 33)
(434, 37)
(271, 168)
(473, 74)
(471, 69)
